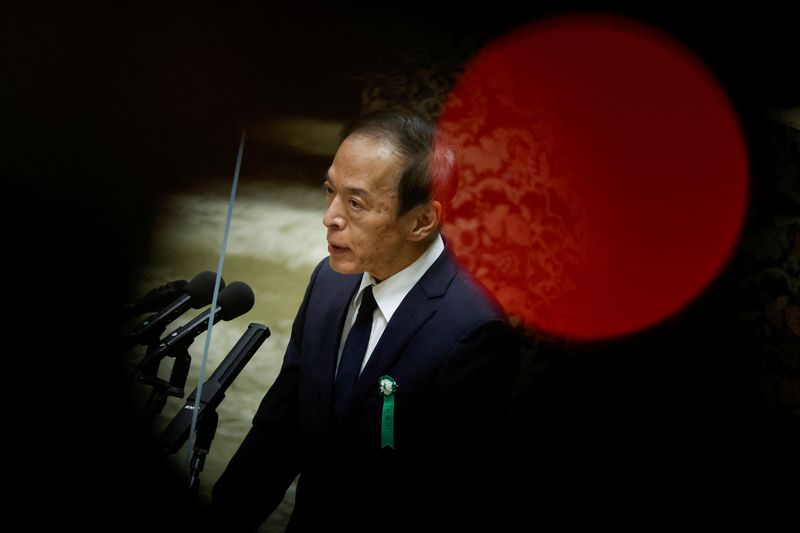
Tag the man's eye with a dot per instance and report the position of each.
(355, 205)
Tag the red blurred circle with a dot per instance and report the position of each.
(603, 174)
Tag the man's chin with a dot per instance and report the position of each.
(343, 267)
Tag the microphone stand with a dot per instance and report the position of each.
(211, 395)
(206, 429)
(162, 389)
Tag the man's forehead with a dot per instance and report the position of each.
(375, 187)
(349, 185)
(366, 164)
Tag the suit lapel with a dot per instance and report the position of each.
(334, 311)
(417, 307)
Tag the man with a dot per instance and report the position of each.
(389, 414)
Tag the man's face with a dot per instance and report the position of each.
(364, 232)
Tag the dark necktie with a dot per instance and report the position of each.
(353, 353)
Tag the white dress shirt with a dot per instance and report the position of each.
(388, 294)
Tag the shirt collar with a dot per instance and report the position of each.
(390, 292)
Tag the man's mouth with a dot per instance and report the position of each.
(333, 249)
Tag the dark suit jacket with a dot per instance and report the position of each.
(454, 358)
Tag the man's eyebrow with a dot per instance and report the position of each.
(351, 190)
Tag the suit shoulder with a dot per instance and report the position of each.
(468, 296)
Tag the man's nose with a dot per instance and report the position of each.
(333, 216)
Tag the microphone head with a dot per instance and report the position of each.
(201, 288)
(235, 300)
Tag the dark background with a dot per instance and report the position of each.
(109, 108)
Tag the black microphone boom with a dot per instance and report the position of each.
(197, 293)
(235, 300)
(177, 432)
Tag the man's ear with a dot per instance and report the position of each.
(426, 220)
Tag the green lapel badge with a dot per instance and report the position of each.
(387, 386)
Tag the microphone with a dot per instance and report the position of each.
(177, 432)
(153, 301)
(235, 300)
(197, 293)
